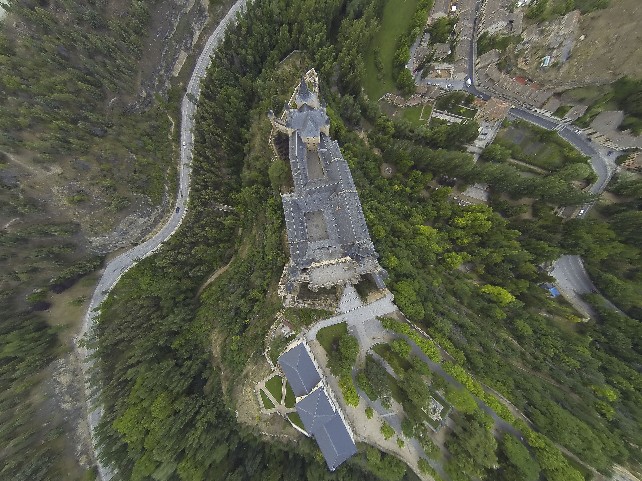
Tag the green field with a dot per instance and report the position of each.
(290, 399)
(413, 114)
(267, 403)
(328, 336)
(274, 386)
(295, 419)
(539, 147)
(397, 15)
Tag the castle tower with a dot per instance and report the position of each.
(306, 97)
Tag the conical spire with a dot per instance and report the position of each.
(305, 96)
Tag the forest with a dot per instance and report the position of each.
(71, 164)
(470, 276)
(167, 414)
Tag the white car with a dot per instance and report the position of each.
(184, 143)
(582, 211)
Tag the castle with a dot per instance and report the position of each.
(327, 233)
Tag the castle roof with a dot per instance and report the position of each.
(335, 442)
(315, 410)
(327, 427)
(307, 122)
(305, 96)
(299, 369)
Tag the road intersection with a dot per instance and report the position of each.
(569, 273)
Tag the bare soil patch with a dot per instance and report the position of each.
(605, 47)
(387, 170)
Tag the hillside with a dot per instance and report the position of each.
(604, 46)
(174, 358)
(88, 122)
(584, 42)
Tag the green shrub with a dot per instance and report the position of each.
(427, 346)
(425, 467)
(348, 390)
(387, 430)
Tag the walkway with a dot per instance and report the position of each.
(363, 323)
(369, 430)
(358, 318)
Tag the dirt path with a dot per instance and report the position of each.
(37, 172)
(171, 131)
(220, 271)
(529, 166)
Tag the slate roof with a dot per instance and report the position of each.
(299, 370)
(304, 94)
(335, 194)
(322, 183)
(307, 121)
(327, 427)
(315, 410)
(335, 442)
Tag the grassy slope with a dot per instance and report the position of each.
(396, 18)
(545, 155)
(328, 336)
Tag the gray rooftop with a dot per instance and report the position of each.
(327, 427)
(307, 121)
(335, 195)
(299, 370)
(315, 410)
(323, 215)
(335, 442)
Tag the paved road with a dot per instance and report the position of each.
(362, 320)
(570, 275)
(600, 162)
(121, 264)
(573, 281)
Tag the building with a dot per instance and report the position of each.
(327, 233)
(300, 370)
(325, 424)
(319, 414)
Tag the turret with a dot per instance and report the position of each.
(305, 96)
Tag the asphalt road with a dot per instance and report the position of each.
(570, 275)
(121, 264)
(601, 165)
(573, 281)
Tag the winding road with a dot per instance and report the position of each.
(570, 276)
(578, 279)
(121, 264)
